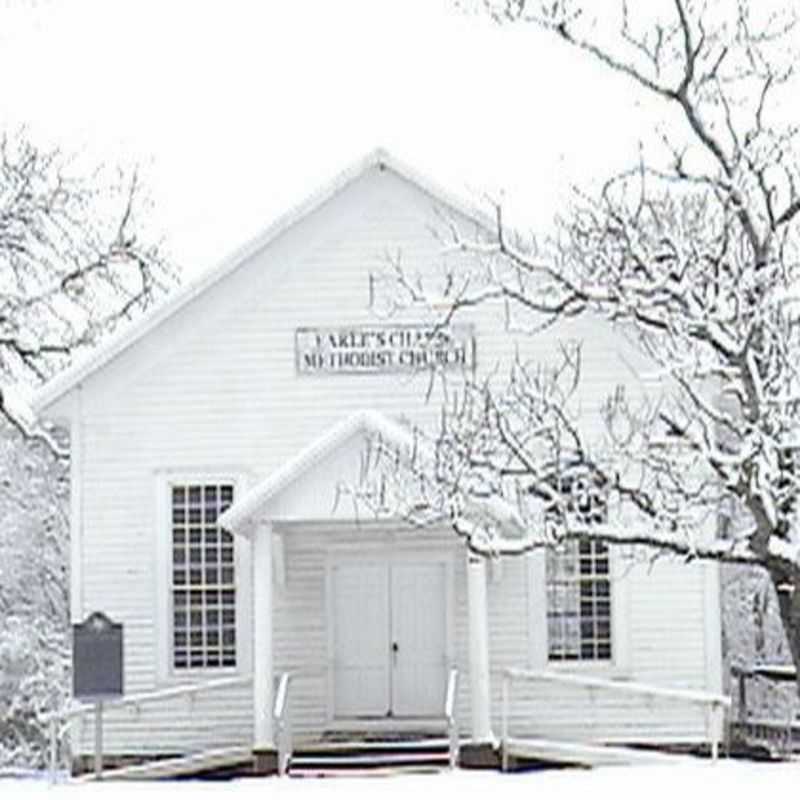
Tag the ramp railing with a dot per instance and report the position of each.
(714, 704)
(450, 716)
(283, 723)
(777, 734)
(100, 706)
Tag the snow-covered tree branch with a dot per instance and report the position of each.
(692, 254)
(74, 262)
(34, 607)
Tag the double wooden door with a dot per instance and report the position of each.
(389, 638)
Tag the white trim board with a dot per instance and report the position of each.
(620, 663)
(162, 569)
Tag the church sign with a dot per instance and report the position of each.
(371, 349)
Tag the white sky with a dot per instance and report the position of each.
(238, 110)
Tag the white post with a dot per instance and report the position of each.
(98, 740)
(478, 649)
(504, 723)
(263, 734)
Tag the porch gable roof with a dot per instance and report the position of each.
(244, 512)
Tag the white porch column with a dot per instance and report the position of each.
(478, 649)
(263, 734)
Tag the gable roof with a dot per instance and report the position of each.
(369, 423)
(70, 378)
(240, 517)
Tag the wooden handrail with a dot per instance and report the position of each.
(282, 695)
(450, 715)
(625, 687)
(450, 695)
(283, 729)
(715, 703)
(80, 709)
(100, 705)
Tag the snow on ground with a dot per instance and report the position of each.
(729, 779)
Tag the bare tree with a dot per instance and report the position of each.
(693, 254)
(34, 608)
(74, 263)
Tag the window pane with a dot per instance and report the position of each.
(578, 601)
(199, 638)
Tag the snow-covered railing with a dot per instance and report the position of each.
(773, 732)
(780, 673)
(79, 710)
(283, 725)
(715, 704)
(450, 716)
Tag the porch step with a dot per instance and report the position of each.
(394, 745)
(331, 759)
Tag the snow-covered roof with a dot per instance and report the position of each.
(369, 423)
(379, 158)
(245, 511)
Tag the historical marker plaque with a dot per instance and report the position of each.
(97, 658)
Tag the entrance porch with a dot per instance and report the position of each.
(359, 626)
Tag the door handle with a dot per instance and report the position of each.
(395, 650)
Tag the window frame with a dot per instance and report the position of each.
(168, 673)
(563, 582)
(538, 648)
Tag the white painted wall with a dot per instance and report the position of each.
(214, 390)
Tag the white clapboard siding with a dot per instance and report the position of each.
(666, 619)
(214, 391)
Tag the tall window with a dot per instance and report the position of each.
(578, 601)
(203, 580)
(579, 585)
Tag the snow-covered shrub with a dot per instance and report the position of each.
(34, 614)
(752, 634)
